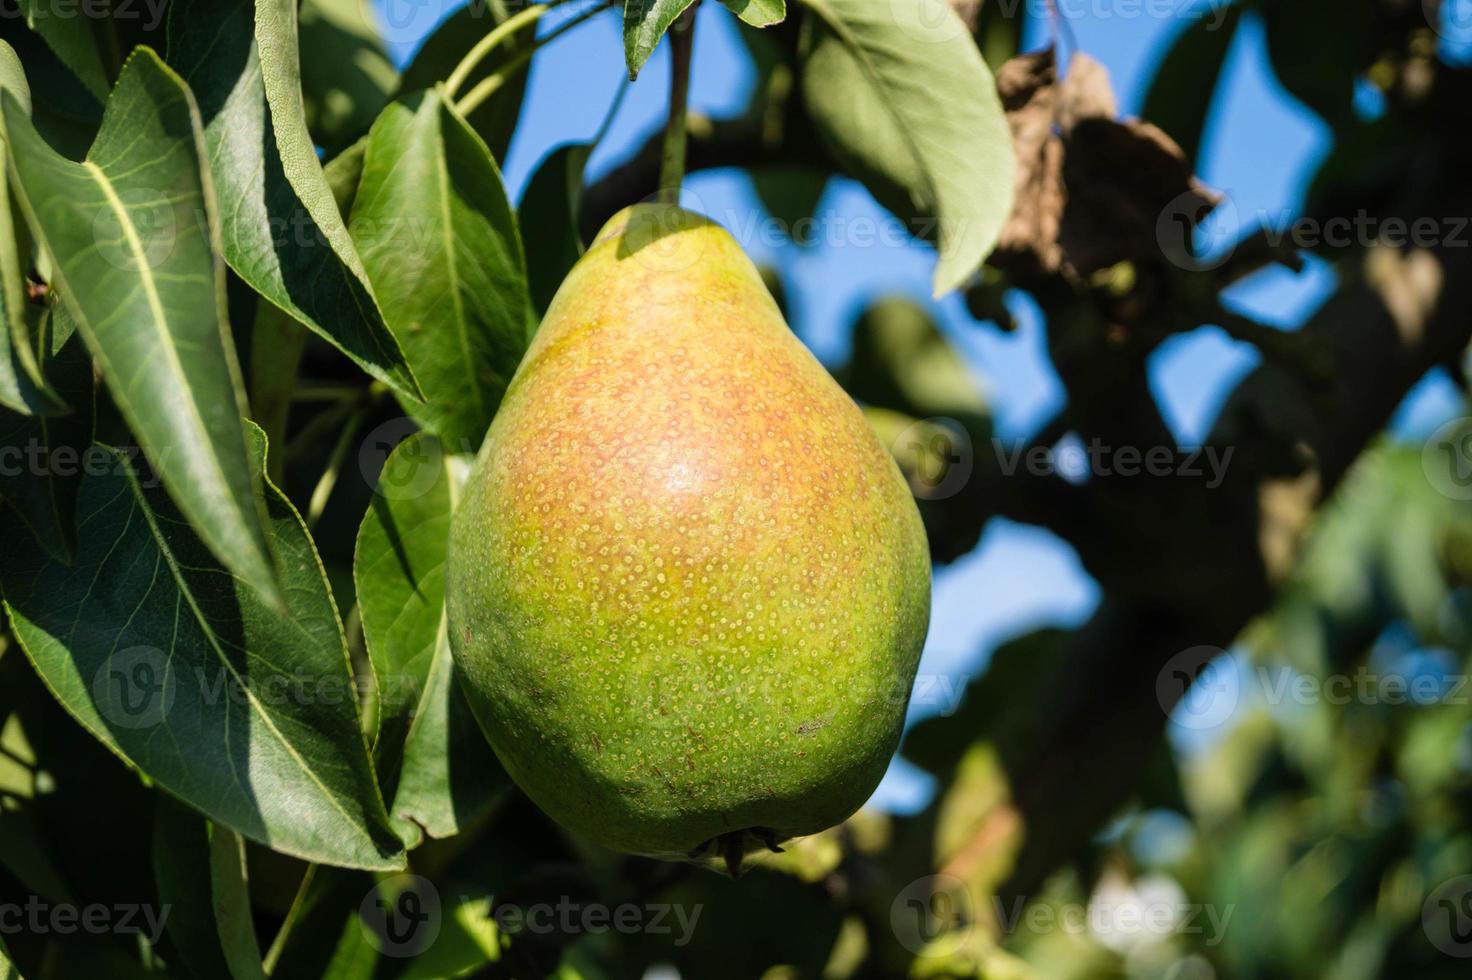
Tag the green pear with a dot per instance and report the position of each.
(688, 586)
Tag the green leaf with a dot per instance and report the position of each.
(790, 191)
(645, 22)
(201, 876)
(41, 457)
(901, 360)
(998, 33)
(495, 118)
(1321, 75)
(271, 238)
(23, 388)
(134, 243)
(450, 776)
(790, 194)
(1180, 94)
(343, 173)
(548, 217)
(243, 712)
(468, 940)
(900, 93)
(349, 78)
(69, 115)
(448, 773)
(398, 570)
(7, 968)
(758, 13)
(72, 40)
(276, 345)
(280, 61)
(13, 77)
(439, 240)
(996, 705)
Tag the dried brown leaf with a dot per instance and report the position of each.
(1090, 187)
(1029, 97)
(1086, 93)
(1121, 176)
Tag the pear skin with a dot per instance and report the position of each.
(688, 586)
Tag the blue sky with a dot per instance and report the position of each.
(1261, 149)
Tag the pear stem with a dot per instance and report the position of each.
(733, 849)
(672, 168)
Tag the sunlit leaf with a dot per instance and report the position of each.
(280, 60)
(645, 22)
(7, 968)
(758, 13)
(439, 240)
(13, 77)
(900, 93)
(273, 240)
(468, 940)
(446, 773)
(277, 45)
(72, 39)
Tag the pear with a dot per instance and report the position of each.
(688, 586)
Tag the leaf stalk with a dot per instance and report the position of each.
(487, 44)
(492, 83)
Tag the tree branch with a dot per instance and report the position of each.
(1207, 565)
(727, 142)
